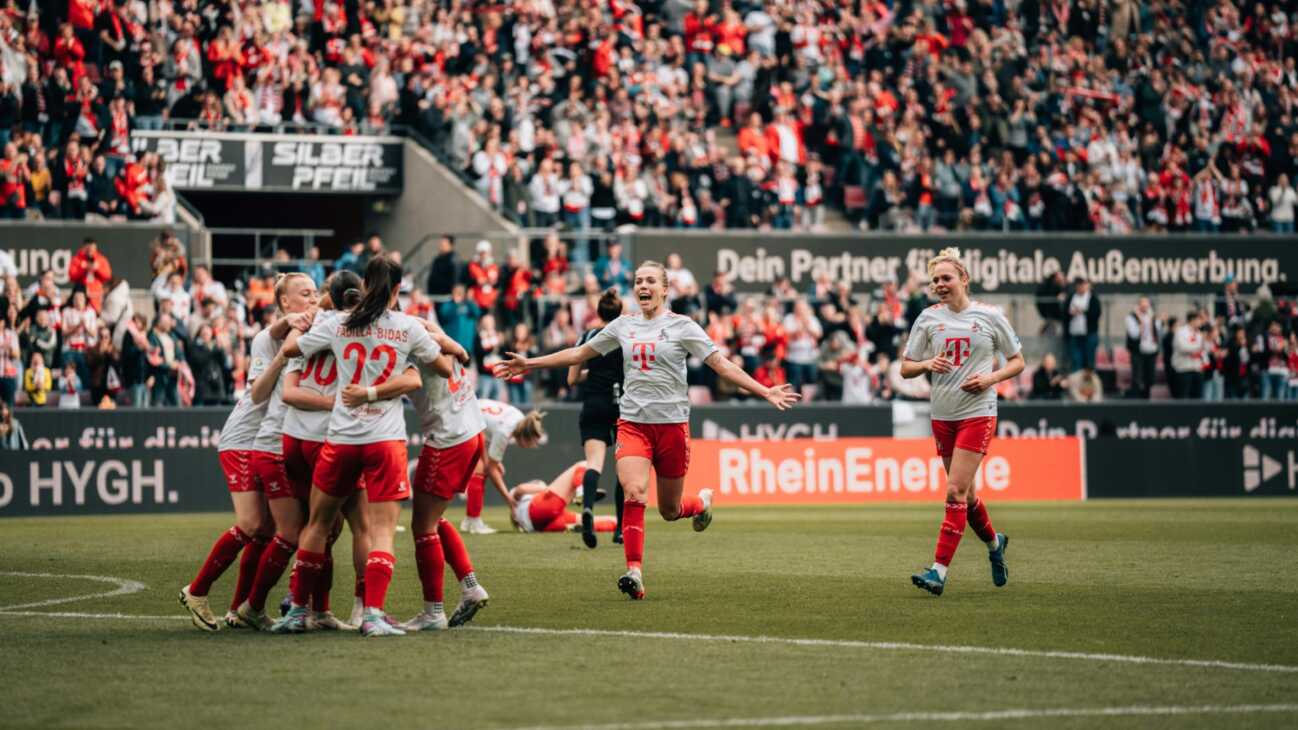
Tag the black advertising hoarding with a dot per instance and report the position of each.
(1192, 468)
(74, 446)
(1011, 264)
(285, 163)
(37, 246)
(134, 480)
(1144, 421)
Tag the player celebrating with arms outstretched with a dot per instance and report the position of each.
(964, 337)
(653, 431)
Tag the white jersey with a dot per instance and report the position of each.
(270, 434)
(501, 420)
(448, 409)
(369, 357)
(970, 340)
(522, 513)
(319, 374)
(654, 389)
(241, 427)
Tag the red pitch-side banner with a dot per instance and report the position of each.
(869, 470)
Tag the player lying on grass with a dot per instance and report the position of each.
(542, 507)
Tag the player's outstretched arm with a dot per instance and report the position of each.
(515, 364)
(781, 396)
(359, 395)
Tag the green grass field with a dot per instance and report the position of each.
(1168, 580)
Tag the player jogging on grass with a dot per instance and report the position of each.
(600, 383)
(304, 399)
(653, 429)
(253, 526)
(371, 344)
(961, 339)
(505, 425)
(543, 507)
(452, 426)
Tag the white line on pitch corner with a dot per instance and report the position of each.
(862, 719)
(899, 646)
(69, 614)
(124, 588)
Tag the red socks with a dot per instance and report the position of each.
(453, 548)
(305, 576)
(690, 506)
(473, 495)
(633, 533)
(320, 596)
(248, 566)
(948, 538)
(274, 561)
(378, 574)
(432, 566)
(981, 522)
(223, 552)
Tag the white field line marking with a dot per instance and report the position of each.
(861, 719)
(69, 614)
(900, 646)
(124, 588)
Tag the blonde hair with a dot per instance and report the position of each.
(281, 285)
(530, 428)
(655, 265)
(950, 255)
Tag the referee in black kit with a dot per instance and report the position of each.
(600, 387)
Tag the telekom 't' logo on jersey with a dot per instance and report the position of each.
(957, 349)
(642, 354)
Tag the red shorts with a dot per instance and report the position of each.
(237, 466)
(446, 472)
(970, 434)
(340, 468)
(299, 459)
(269, 470)
(546, 509)
(665, 445)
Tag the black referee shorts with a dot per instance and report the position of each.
(598, 420)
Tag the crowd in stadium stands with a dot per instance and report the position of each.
(85, 345)
(1096, 115)
(834, 346)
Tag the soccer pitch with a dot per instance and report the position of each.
(1117, 614)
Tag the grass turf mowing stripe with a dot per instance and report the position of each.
(990, 715)
(901, 646)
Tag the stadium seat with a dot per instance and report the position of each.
(854, 199)
(1102, 359)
